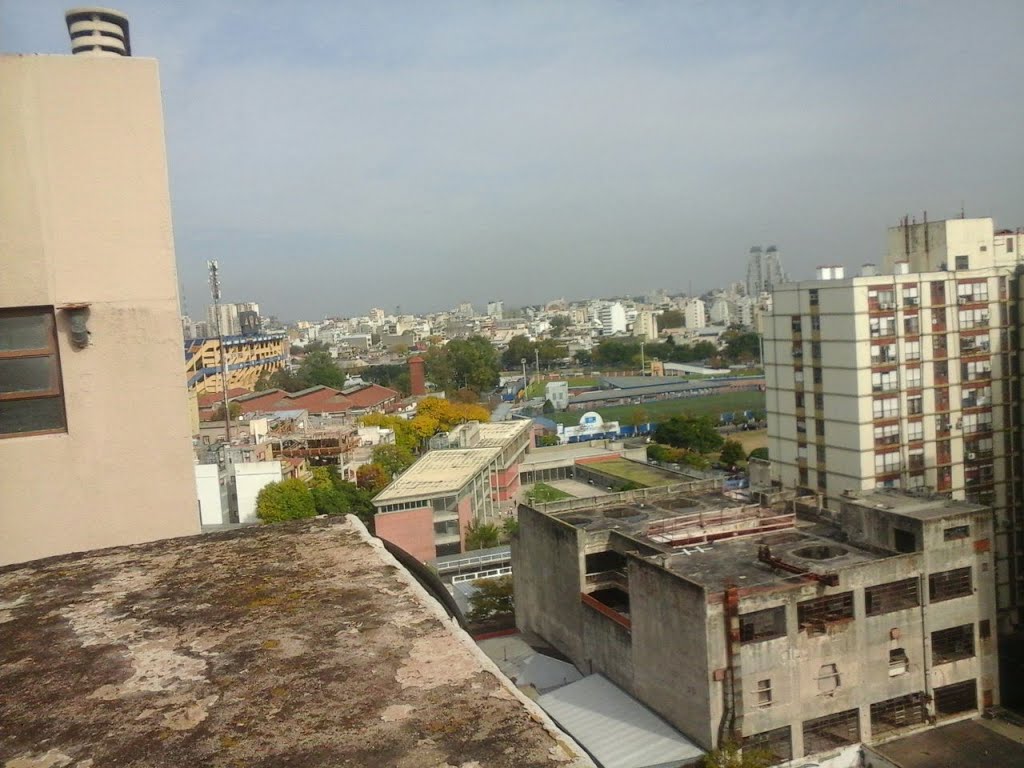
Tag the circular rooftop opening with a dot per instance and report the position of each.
(577, 521)
(619, 513)
(819, 552)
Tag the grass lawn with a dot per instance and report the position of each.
(661, 410)
(638, 473)
(750, 440)
(542, 493)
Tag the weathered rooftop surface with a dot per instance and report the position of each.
(299, 645)
(968, 744)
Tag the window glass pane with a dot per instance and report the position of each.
(31, 415)
(24, 332)
(26, 374)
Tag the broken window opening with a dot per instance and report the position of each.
(956, 698)
(948, 585)
(763, 625)
(892, 596)
(953, 644)
(900, 712)
(815, 615)
(824, 733)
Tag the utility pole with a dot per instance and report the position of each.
(643, 363)
(536, 355)
(215, 293)
(526, 383)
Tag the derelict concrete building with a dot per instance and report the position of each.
(734, 620)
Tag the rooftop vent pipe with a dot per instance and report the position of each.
(98, 32)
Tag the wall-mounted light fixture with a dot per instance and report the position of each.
(78, 315)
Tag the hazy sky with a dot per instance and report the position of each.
(336, 155)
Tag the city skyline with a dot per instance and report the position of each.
(555, 145)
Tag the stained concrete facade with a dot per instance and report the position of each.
(734, 619)
(86, 231)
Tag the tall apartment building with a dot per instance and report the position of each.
(95, 440)
(495, 309)
(764, 270)
(646, 325)
(612, 316)
(907, 380)
(695, 314)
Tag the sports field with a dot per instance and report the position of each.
(660, 410)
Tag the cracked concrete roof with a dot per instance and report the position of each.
(303, 644)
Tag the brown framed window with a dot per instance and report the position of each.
(31, 391)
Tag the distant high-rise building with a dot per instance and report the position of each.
(466, 310)
(755, 272)
(496, 309)
(612, 317)
(695, 314)
(764, 271)
(646, 325)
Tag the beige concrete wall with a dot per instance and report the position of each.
(85, 208)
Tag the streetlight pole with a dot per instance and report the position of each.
(643, 363)
(525, 382)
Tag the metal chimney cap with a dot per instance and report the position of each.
(98, 31)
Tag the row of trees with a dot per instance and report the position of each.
(433, 415)
(463, 364)
(316, 369)
(687, 439)
(547, 351)
(325, 494)
(740, 347)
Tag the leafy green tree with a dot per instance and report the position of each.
(741, 347)
(548, 407)
(474, 363)
(759, 453)
(393, 459)
(730, 755)
(695, 433)
(482, 536)
(393, 376)
(732, 452)
(547, 441)
(493, 597)
(319, 369)
(372, 477)
(550, 352)
(510, 527)
(282, 379)
(584, 357)
(235, 409)
(559, 325)
(518, 348)
(287, 500)
(671, 318)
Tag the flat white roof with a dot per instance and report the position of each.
(616, 729)
(438, 473)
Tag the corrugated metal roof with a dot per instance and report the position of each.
(616, 729)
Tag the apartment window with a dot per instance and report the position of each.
(764, 693)
(888, 434)
(962, 262)
(794, 323)
(820, 452)
(816, 350)
(956, 532)
(911, 326)
(31, 396)
(825, 733)
(915, 405)
(973, 318)
(1009, 245)
(885, 407)
(819, 402)
(802, 477)
(913, 378)
(912, 351)
(816, 323)
(828, 679)
(816, 375)
(892, 596)
(798, 398)
(976, 422)
(948, 585)
(967, 293)
(887, 463)
(776, 745)
(882, 326)
(813, 297)
(904, 541)
(956, 698)
(910, 296)
(822, 482)
(915, 431)
(901, 712)
(758, 626)
(819, 427)
(883, 381)
(883, 353)
(976, 369)
(814, 615)
(953, 644)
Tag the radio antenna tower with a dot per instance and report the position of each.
(215, 293)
